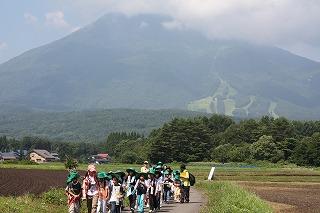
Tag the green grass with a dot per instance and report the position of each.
(226, 197)
(31, 203)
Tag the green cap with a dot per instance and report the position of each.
(139, 174)
(72, 175)
(152, 171)
(131, 170)
(102, 175)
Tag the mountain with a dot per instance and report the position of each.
(84, 126)
(140, 62)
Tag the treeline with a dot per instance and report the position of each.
(215, 138)
(219, 138)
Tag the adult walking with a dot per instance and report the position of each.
(145, 167)
(90, 187)
(184, 176)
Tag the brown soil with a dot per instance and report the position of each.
(21, 181)
(287, 197)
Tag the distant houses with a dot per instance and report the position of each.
(7, 156)
(100, 158)
(42, 156)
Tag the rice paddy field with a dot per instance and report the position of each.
(260, 187)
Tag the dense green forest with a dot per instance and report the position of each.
(215, 138)
(83, 126)
(219, 138)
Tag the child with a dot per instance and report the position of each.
(152, 190)
(177, 188)
(159, 180)
(116, 193)
(167, 183)
(122, 181)
(131, 182)
(103, 192)
(73, 191)
(141, 189)
(90, 188)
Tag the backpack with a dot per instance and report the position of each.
(192, 179)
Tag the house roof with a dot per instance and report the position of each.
(103, 155)
(43, 153)
(8, 155)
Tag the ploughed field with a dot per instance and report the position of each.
(15, 182)
(287, 197)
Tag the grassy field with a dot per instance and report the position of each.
(224, 192)
(53, 201)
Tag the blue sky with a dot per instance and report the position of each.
(28, 24)
(289, 24)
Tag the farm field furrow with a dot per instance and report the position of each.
(287, 197)
(22, 181)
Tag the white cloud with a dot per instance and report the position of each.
(30, 19)
(284, 23)
(56, 19)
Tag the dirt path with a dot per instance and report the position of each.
(196, 202)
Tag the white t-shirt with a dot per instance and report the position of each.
(115, 194)
(93, 189)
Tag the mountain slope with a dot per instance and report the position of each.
(85, 126)
(136, 62)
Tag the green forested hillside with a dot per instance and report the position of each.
(83, 126)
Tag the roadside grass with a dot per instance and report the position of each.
(30, 203)
(228, 197)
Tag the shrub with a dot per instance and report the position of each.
(54, 196)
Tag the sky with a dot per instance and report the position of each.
(289, 24)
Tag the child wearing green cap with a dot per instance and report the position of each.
(141, 189)
(177, 188)
(152, 190)
(131, 182)
(73, 191)
(103, 192)
(167, 183)
(116, 193)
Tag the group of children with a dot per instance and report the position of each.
(105, 192)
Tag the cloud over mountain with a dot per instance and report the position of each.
(286, 23)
